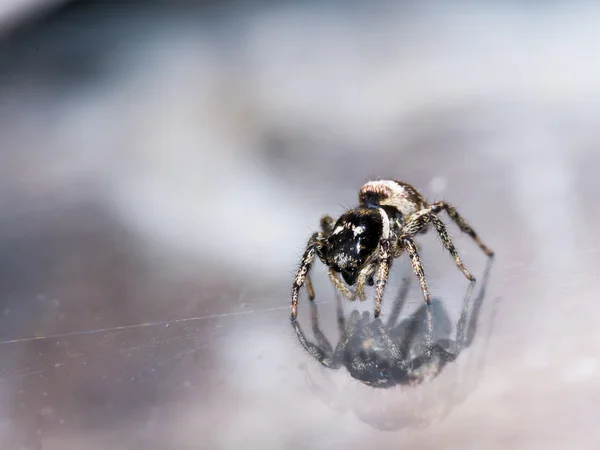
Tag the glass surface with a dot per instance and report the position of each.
(162, 168)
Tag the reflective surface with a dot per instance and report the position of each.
(159, 183)
(386, 354)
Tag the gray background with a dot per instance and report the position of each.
(162, 167)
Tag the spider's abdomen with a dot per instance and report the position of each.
(401, 196)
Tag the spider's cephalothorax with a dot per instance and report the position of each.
(363, 242)
(353, 242)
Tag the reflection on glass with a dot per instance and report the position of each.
(387, 353)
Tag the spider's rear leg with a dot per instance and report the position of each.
(419, 221)
(462, 224)
(441, 229)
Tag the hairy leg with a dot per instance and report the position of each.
(462, 224)
(441, 229)
(314, 243)
(411, 249)
(327, 223)
(419, 221)
(383, 270)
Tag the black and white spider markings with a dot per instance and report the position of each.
(365, 240)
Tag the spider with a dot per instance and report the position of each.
(365, 240)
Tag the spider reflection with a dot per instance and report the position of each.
(410, 352)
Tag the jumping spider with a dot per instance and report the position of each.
(365, 240)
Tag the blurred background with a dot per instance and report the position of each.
(162, 165)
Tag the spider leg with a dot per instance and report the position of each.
(441, 229)
(333, 276)
(419, 221)
(462, 224)
(360, 286)
(327, 223)
(411, 248)
(315, 243)
(383, 270)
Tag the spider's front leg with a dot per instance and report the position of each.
(315, 246)
(327, 223)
